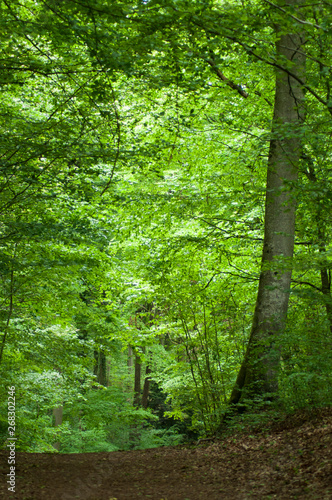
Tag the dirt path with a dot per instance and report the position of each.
(291, 463)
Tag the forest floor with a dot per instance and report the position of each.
(290, 460)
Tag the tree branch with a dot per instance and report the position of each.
(228, 82)
(293, 17)
(307, 283)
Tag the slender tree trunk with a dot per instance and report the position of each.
(11, 305)
(146, 387)
(137, 385)
(130, 360)
(325, 271)
(57, 414)
(325, 274)
(100, 367)
(259, 371)
(10, 312)
(135, 429)
(108, 371)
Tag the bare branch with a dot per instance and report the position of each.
(307, 283)
(228, 82)
(293, 17)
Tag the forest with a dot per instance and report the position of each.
(165, 219)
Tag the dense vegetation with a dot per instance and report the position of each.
(150, 152)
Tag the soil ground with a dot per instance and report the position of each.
(292, 460)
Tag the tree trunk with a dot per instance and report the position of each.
(57, 414)
(135, 429)
(146, 388)
(258, 374)
(130, 360)
(325, 271)
(100, 367)
(137, 386)
(325, 274)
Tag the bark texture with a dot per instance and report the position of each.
(146, 388)
(259, 371)
(100, 367)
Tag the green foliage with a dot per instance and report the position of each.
(84, 440)
(107, 421)
(133, 172)
(305, 380)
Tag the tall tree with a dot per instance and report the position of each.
(259, 370)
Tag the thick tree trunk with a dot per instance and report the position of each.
(259, 371)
